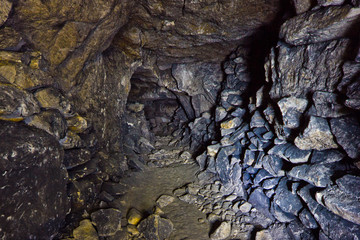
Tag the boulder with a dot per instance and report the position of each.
(31, 206)
(342, 204)
(155, 227)
(347, 133)
(85, 231)
(317, 135)
(291, 109)
(320, 25)
(297, 66)
(334, 226)
(221, 232)
(317, 174)
(286, 200)
(107, 221)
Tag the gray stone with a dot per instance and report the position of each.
(296, 67)
(261, 176)
(307, 219)
(33, 183)
(353, 103)
(16, 103)
(278, 230)
(222, 231)
(52, 98)
(299, 232)
(349, 184)
(345, 205)
(107, 221)
(334, 226)
(261, 202)
(280, 215)
(245, 207)
(239, 112)
(302, 6)
(263, 235)
(326, 156)
(164, 200)
(317, 174)
(223, 166)
(76, 157)
(269, 114)
(273, 164)
(347, 133)
(270, 183)
(155, 227)
(51, 121)
(317, 135)
(319, 25)
(257, 120)
(295, 155)
(220, 114)
(291, 109)
(326, 105)
(286, 200)
(325, 3)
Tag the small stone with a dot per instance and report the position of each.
(135, 107)
(51, 98)
(222, 231)
(212, 150)
(231, 197)
(107, 221)
(261, 202)
(317, 135)
(51, 121)
(77, 123)
(132, 230)
(286, 200)
(134, 216)
(156, 228)
(220, 114)
(76, 157)
(164, 200)
(232, 123)
(307, 219)
(245, 207)
(257, 120)
(71, 140)
(326, 156)
(301, 6)
(280, 215)
(291, 109)
(85, 231)
(263, 235)
(105, 196)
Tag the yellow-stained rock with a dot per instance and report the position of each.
(71, 140)
(232, 123)
(85, 231)
(132, 230)
(77, 123)
(134, 216)
(53, 98)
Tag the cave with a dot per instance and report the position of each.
(161, 119)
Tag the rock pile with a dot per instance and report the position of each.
(284, 154)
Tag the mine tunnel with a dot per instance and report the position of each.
(162, 119)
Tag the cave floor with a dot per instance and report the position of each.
(145, 187)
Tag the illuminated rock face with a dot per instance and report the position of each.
(106, 87)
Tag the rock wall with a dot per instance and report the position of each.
(284, 148)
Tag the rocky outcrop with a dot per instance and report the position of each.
(31, 205)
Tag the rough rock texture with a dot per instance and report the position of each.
(320, 25)
(306, 73)
(155, 227)
(31, 205)
(317, 135)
